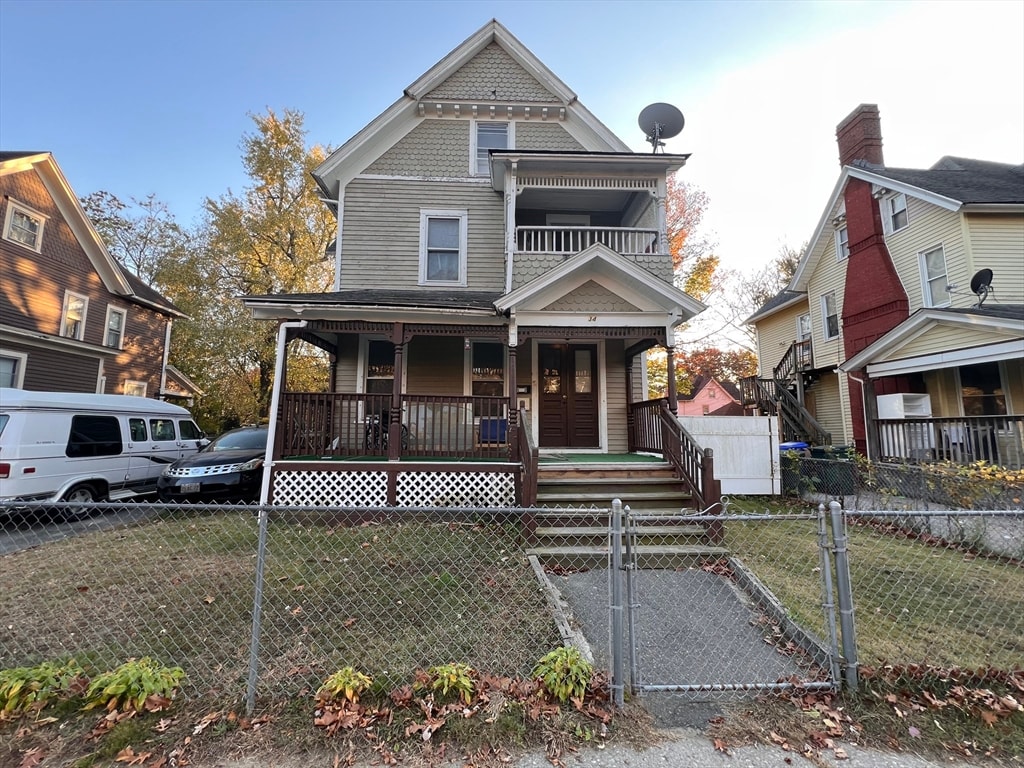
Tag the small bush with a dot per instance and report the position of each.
(23, 688)
(453, 679)
(138, 684)
(564, 673)
(347, 682)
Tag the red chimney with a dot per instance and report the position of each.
(860, 136)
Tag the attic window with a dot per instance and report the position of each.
(488, 136)
(842, 243)
(894, 212)
(24, 226)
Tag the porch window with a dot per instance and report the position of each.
(24, 226)
(487, 372)
(933, 277)
(72, 323)
(829, 316)
(443, 247)
(380, 368)
(981, 388)
(115, 328)
(488, 136)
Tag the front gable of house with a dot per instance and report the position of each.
(489, 77)
(591, 296)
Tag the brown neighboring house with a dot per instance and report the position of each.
(71, 318)
(711, 397)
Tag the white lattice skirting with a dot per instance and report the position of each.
(306, 488)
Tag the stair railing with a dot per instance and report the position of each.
(529, 456)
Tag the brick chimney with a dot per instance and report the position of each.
(860, 136)
(874, 300)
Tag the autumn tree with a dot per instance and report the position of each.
(711, 362)
(271, 239)
(694, 262)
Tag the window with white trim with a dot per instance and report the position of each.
(829, 316)
(803, 327)
(842, 243)
(380, 367)
(894, 212)
(443, 247)
(114, 336)
(488, 136)
(487, 372)
(933, 277)
(24, 226)
(136, 388)
(12, 368)
(72, 319)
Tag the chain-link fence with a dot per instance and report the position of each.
(859, 484)
(386, 592)
(720, 602)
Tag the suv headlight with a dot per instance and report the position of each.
(251, 464)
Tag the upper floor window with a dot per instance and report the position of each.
(829, 316)
(24, 226)
(803, 327)
(114, 336)
(895, 212)
(72, 321)
(443, 247)
(487, 136)
(933, 277)
(842, 243)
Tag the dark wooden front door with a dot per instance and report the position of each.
(568, 396)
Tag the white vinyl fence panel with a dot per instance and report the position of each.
(746, 451)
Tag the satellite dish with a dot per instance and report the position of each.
(980, 284)
(660, 121)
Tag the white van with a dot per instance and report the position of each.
(69, 446)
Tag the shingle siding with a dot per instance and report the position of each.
(493, 76)
(545, 135)
(433, 149)
(591, 297)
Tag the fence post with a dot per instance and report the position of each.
(257, 612)
(845, 590)
(631, 602)
(618, 662)
(828, 605)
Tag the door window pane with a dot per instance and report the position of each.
(584, 371)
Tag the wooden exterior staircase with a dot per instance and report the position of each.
(572, 536)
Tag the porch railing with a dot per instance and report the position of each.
(334, 424)
(962, 440)
(656, 430)
(797, 358)
(528, 454)
(569, 240)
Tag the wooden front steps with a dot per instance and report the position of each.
(574, 537)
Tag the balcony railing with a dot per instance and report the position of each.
(962, 440)
(566, 241)
(334, 425)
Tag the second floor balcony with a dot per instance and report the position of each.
(567, 240)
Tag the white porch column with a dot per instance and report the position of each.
(510, 224)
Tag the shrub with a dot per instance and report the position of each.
(564, 673)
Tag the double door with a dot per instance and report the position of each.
(569, 398)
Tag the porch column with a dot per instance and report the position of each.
(395, 415)
(630, 419)
(670, 363)
(513, 405)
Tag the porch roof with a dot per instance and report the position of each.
(969, 335)
(373, 301)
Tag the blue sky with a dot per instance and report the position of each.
(154, 97)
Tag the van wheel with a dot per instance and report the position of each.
(81, 494)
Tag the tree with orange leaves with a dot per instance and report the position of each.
(693, 259)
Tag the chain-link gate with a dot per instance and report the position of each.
(708, 619)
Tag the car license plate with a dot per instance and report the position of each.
(190, 488)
